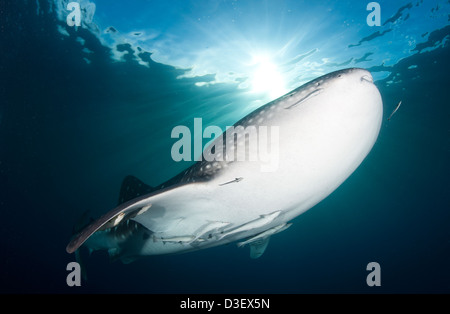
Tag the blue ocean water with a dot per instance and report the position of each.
(84, 106)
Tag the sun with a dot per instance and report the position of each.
(266, 77)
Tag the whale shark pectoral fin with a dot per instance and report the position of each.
(106, 221)
(130, 189)
(259, 242)
(258, 247)
(130, 209)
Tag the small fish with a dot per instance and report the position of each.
(395, 110)
(232, 181)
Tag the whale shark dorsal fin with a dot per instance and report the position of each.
(258, 247)
(131, 188)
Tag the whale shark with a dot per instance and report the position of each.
(326, 129)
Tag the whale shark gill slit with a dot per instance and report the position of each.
(308, 96)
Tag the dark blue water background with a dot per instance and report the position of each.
(70, 131)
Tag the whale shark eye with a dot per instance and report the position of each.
(339, 75)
